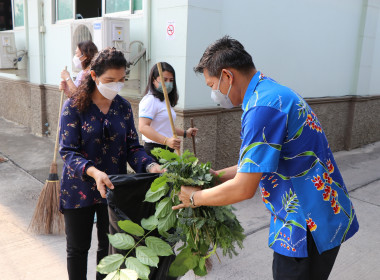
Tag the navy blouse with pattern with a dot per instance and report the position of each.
(105, 141)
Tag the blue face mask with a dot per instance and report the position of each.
(219, 98)
(169, 87)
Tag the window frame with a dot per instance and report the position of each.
(14, 18)
(55, 13)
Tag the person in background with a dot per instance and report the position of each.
(84, 53)
(97, 137)
(154, 123)
(284, 150)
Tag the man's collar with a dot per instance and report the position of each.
(251, 87)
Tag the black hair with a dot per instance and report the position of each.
(173, 95)
(109, 58)
(225, 53)
(89, 50)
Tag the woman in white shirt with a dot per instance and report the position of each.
(154, 123)
(84, 53)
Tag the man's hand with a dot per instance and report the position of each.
(184, 196)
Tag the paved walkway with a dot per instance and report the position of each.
(28, 257)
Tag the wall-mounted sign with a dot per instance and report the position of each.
(170, 30)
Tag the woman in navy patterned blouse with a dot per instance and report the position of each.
(97, 137)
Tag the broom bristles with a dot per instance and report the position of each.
(46, 218)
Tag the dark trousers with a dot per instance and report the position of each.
(148, 147)
(78, 227)
(315, 267)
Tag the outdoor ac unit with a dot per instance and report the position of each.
(104, 32)
(7, 50)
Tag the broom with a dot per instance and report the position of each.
(208, 260)
(46, 218)
(167, 102)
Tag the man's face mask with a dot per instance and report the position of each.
(219, 98)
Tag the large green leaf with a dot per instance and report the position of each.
(128, 274)
(141, 269)
(158, 183)
(184, 261)
(165, 154)
(164, 207)
(150, 223)
(131, 227)
(110, 263)
(147, 256)
(121, 241)
(201, 270)
(160, 247)
(115, 275)
(167, 222)
(151, 196)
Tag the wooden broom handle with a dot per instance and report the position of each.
(192, 136)
(58, 128)
(167, 102)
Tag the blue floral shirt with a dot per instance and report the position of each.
(301, 183)
(106, 141)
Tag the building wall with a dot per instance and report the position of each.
(346, 120)
(328, 51)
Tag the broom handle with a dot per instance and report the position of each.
(192, 136)
(167, 102)
(58, 128)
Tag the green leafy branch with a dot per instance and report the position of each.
(136, 267)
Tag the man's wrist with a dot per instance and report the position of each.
(192, 200)
(184, 134)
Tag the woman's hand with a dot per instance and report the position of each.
(101, 179)
(192, 131)
(156, 168)
(64, 86)
(174, 143)
(65, 74)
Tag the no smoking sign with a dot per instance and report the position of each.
(170, 30)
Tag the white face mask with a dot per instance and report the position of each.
(110, 90)
(77, 62)
(219, 98)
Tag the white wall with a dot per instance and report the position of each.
(310, 46)
(313, 47)
(374, 84)
(170, 51)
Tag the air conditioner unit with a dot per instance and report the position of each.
(104, 32)
(7, 50)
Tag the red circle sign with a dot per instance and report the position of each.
(170, 30)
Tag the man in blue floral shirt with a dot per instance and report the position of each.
(285, 152)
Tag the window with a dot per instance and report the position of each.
(18, 7)
(64, 9)
(113, 6)
(6, 22)
(137, 4)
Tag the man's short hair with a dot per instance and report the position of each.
(225, 53)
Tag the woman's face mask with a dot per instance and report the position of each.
(110, 90)
(77, 62)
(169, 87)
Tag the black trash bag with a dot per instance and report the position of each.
(126, 202)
